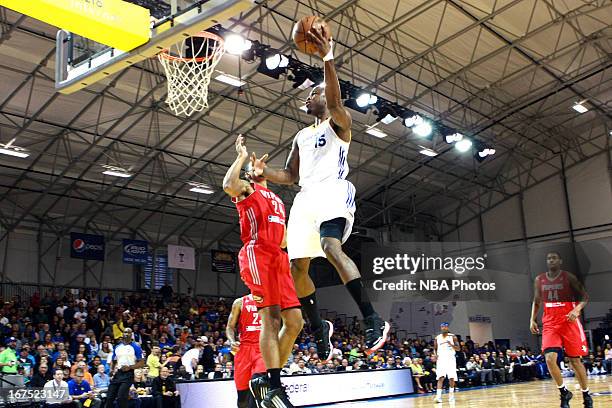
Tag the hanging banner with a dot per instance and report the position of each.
(86, 246)
(181, 257)
(135, 252)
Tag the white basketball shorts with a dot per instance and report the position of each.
(446, 367)
(313, 206)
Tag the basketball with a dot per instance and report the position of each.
(302, 27)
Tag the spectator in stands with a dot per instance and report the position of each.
(81, 391)
(40, 377)
(487, 370)
(127, 357)
(56, 392)
(164, 390)
(216, 374)
(608, 359)
(153, 362)
(8, 357)
(418, 374)
(101, 380)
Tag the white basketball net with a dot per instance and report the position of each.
(189, 66)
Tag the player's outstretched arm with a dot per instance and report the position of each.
(232, 322)
(232, 184)
(339, 114)
(535, 308)
(288, 175)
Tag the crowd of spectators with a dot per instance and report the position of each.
(69, 337)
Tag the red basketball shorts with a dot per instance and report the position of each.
(560, 333)
(267, 274)
(248, 361)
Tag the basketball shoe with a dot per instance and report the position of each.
(565, 399)
(588, 401)
(276, 398)
(259, 388)
(323, 337)
(376, 331)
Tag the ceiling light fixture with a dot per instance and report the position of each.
(372, 130)
(230, 79)
(428, 152)
(580, 108)
(116, 171)
(10, 150)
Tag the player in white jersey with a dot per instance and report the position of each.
(322, 214)
(446, 366)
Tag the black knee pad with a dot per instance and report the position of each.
(333, 228)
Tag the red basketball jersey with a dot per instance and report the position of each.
(262, 218)
(557, 295)
(249, 324)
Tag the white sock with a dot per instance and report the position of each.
(439, 392)
(587, 390)
(451, 390)
(561, 386)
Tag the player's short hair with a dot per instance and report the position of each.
(554, 252)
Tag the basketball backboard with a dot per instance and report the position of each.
(81, 62)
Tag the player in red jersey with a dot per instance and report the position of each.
(245, 321)
(564, 298)
(264, 268)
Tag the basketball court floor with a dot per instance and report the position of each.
(541, 394)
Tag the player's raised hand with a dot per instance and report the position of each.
(317, 37)
(534, 327)
(240, 147)
(258, 164)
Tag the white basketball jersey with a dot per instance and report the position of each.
(322, 154)
(443, 348)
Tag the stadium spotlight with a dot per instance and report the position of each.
(276, 61)
(413, 120)
(273, 65)
(236, 44)
(423, 129)
(453, 138)
(366, 99)
(463, 145)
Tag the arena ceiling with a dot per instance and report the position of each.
(506, 72)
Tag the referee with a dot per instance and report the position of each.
(8, 357)
(127, 356)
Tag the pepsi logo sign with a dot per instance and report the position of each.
(78, 245)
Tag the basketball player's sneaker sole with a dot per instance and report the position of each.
(377, 330)
(323, 341)
(259, 388)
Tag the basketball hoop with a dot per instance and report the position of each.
(189, 66)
